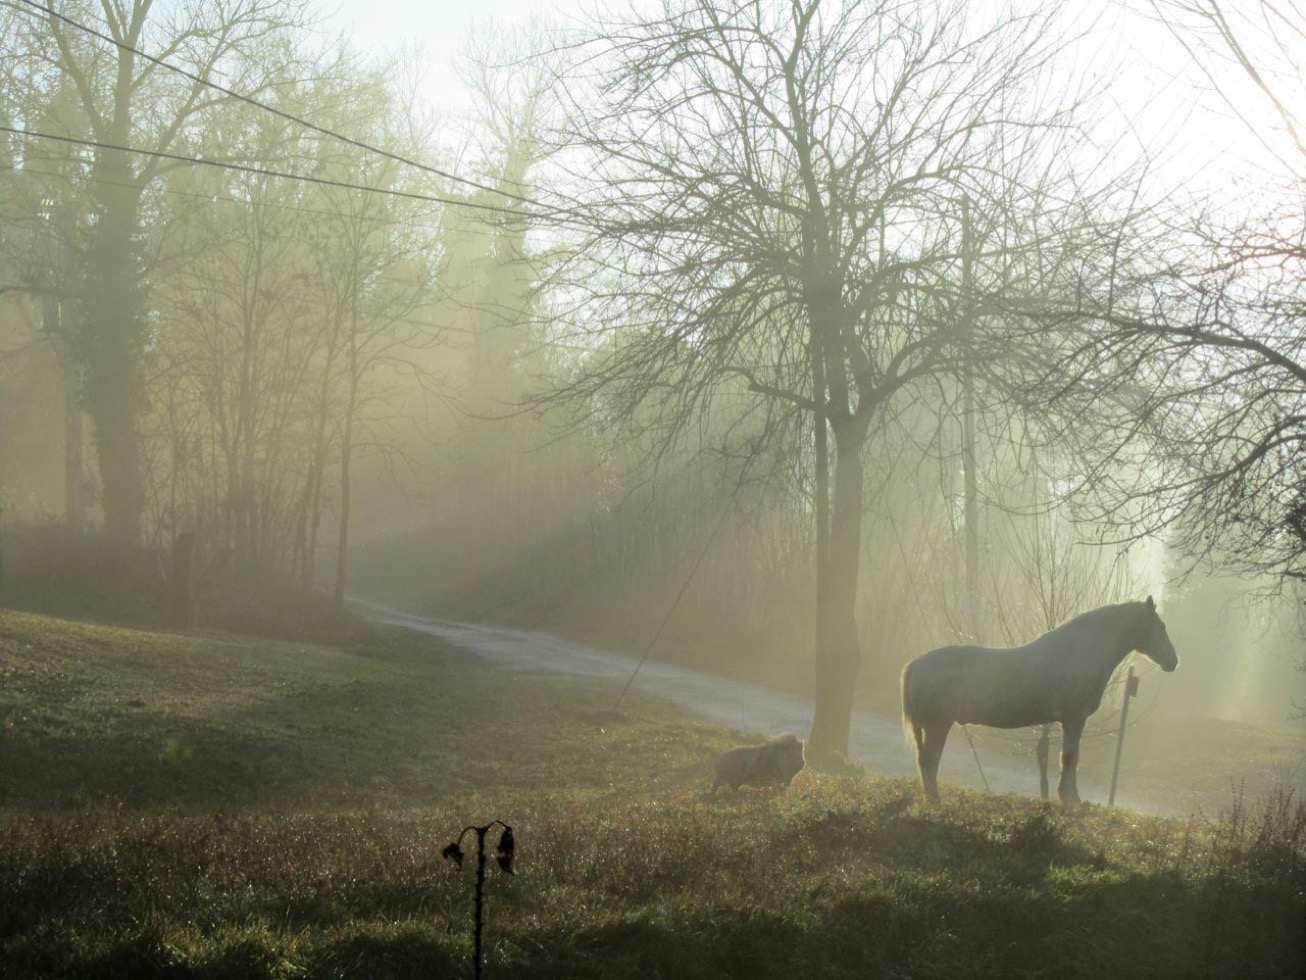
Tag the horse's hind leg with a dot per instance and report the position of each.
(930, 740)
(1068, 786)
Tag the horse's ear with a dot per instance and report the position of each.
(1150, 603)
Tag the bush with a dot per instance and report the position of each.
(277, 610)
(50, 569)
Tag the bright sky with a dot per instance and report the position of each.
(1155, 80)
(438, 29)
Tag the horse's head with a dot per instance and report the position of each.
(1154, 641)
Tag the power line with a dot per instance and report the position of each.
(533, 343)
(26, 171)
(265, 171)
(672, 608)
(409, 321)
(209, 198)
(261, 105)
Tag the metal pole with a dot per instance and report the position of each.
(970, 486)
(1131, 688)
(480, 901)
(987, 788)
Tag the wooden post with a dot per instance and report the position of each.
(1131, 688)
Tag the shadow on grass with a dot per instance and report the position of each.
(1019, 849)
(159, 763)
(148, 956)
(1157, 925)
(350, 742)
(1153, 929)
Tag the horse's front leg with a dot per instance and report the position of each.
(1068, 786)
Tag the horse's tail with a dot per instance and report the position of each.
(911, 728)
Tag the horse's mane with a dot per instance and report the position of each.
(1094, 619)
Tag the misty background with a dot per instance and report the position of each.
(517, 331)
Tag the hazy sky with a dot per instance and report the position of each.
(439, 29)
(1156, 87)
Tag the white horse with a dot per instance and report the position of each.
(1058, 677)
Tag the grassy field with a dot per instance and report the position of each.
(206, 806)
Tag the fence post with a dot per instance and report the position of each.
(1131, 689)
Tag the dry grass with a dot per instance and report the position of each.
(206, 807)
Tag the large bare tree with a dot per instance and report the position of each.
(775, 207)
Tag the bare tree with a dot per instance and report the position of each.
(292, 302)
(134, 110)
(777, 199)
(1201, 349)
(1261, 42)
(1208, 440)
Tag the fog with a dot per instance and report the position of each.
(609, 350)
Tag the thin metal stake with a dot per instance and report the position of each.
(976, 755)
(1131, 689)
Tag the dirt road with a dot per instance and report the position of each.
(875, 742)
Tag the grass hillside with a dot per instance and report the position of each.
(94, 715)
(202, 806)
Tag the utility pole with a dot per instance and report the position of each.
(970, 501)
(970, 488)
(821, 483)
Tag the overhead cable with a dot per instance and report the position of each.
(264, 171)
(40, 8)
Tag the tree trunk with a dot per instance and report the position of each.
(183, 594)
(342, 542)
(113, 351)
(52, 321)
(346, 457)
(73, 495)
(317, 468)
(839, 656)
